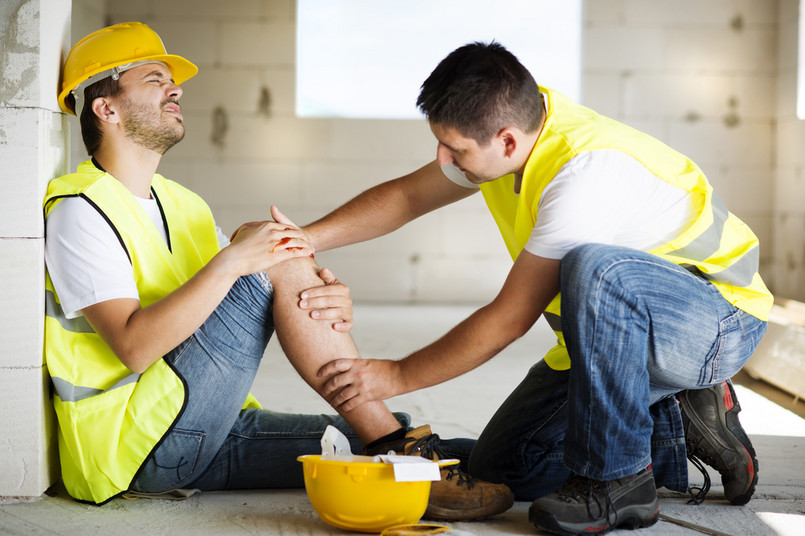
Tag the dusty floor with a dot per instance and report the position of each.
(459, 408)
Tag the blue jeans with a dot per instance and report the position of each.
(215, 445)
(638, 330)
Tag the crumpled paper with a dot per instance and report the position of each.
(335, 446)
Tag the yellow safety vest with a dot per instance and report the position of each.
(111, 419)
(717, 244)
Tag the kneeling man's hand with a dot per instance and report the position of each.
(353, 382)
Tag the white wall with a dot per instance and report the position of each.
(34, 36)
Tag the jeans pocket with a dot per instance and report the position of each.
(173, 464)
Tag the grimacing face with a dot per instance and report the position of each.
(149, 107)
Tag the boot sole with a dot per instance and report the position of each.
(738, 442)
(630, 517)
(439, 513)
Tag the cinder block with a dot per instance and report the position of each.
(788, 248)
(786, 95)
(710, 142)
(743, 188)
(36, 37)
(124, 10)
(613, 47)
(787, 43)
(28, 446)
(789, 189)
(604, 12)
(33, 151)
(655, 126)
(276, 138)
(22, 293)
(752, 49)
(330, 183)
(54, 29)
(241, 9)
(255, 183)
(195, 40)
(603, 93)
(239, 90)
(379, 140)
(686, 11)
(698, 96)
(280, 9)
(761, 224)
(258, 43)
(787, 10)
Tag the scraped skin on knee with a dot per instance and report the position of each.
(310, 343)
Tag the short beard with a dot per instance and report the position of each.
(139, 127)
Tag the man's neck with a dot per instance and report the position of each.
(529, 142)
(131, 164)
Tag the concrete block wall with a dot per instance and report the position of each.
(788, 192)
(34, 38)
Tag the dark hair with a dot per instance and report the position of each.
(479, 89)
(90, 124)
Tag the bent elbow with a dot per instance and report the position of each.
(134, 360)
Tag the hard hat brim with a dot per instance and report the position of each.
(181, 71)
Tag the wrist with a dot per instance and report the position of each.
(224, 266)
(400, 382)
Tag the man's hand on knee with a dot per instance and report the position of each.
(330, 302)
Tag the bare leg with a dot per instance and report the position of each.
(309, 344)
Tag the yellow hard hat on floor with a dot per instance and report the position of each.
(111, 51)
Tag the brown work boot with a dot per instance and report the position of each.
(457, 496)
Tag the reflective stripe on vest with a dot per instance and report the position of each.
(73, 393)
(53, 309)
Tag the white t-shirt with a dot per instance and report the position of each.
(603, 196)
(85, 259)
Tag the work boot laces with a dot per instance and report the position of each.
(698, 494)
(429, 447)
(594, 494)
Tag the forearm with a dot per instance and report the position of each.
(376, 212)
(385, 208)
(467, 346)
(149, 333)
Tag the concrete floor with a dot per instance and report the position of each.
(458, 408)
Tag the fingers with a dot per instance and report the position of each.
(327, 276)
(340, 393)
(279, 217)
(334, 367)
(247, 224)
(330, 301)
(348, 399)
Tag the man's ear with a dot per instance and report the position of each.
(508, 140)
(104, 110)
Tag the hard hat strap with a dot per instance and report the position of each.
(114, 72)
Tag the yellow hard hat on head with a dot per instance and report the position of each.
(111, 51)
